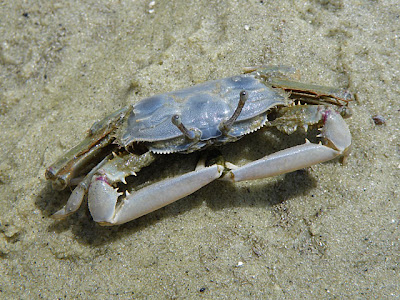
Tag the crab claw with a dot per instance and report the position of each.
(336, 132)
(103, 197)
(338, 143)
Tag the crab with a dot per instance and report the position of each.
(192, 119)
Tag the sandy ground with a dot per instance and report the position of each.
(330, 231)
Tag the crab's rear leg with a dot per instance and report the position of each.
(286, 78)
(338, 143)
(103, 197)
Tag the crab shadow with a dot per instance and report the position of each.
(218, 195)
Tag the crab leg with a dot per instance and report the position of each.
(103, 197)
(335, 132)
(94, 145)
(277, 77)
(78, 194)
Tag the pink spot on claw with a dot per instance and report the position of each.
(102, 178)
(326, 114)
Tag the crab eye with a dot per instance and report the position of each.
(243, 96)
(176, 120)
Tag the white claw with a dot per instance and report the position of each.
(338, 142)
(336, 131)
(103, 197)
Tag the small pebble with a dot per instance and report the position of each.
(378, 120)
(151, 7)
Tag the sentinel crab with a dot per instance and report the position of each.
(192, 119)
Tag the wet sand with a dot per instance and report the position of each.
(329, 231)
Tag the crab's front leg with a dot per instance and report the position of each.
(335, 132)
(103, 197)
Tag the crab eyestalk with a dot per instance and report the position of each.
(190, 134)
(225, 126)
